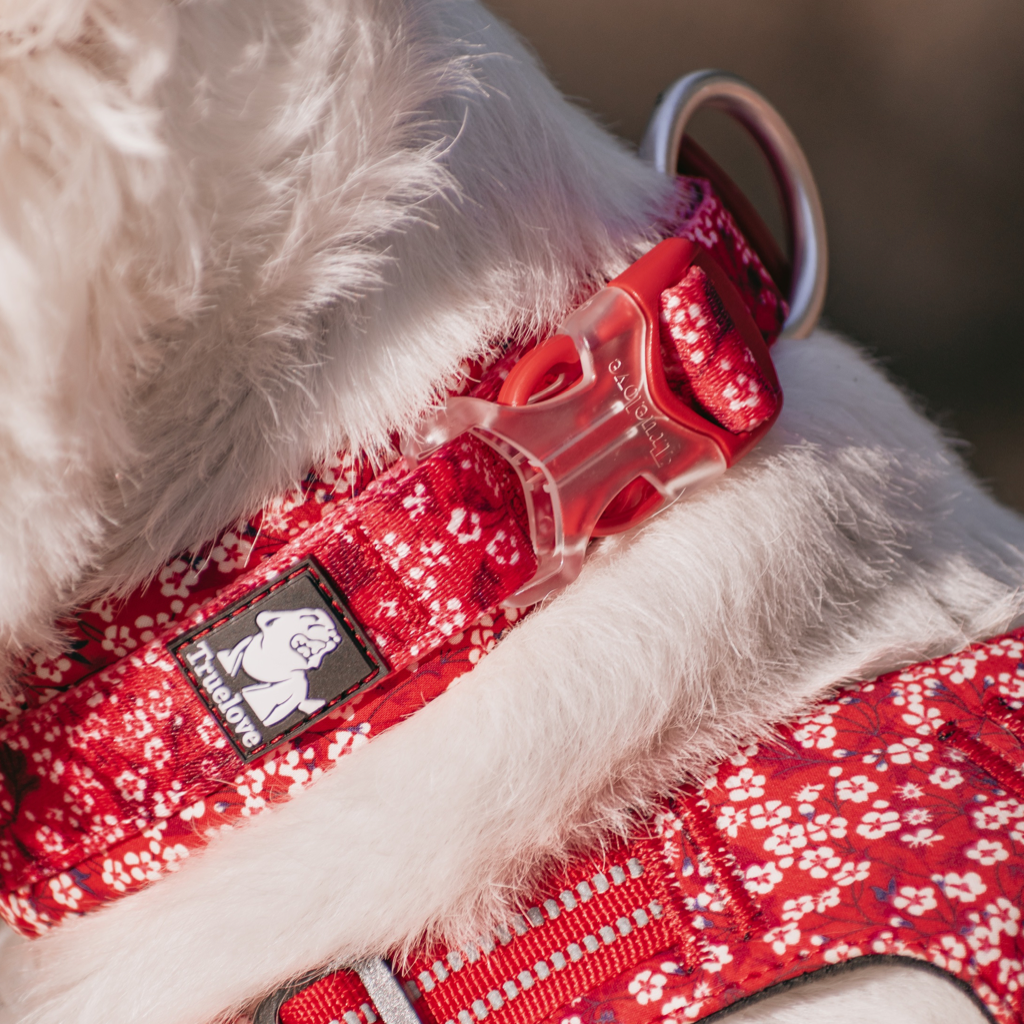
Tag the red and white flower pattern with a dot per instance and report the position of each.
(112, 773)
(914, 852)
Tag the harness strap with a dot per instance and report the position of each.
(888, 821)
(111, 783)
(597, 920)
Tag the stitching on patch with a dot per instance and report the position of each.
(308, 567)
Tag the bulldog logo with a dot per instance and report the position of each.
(288, 645)
(277, 660)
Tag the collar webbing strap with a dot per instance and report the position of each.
(104, 785)
(418, 557)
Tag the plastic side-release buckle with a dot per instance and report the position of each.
(576, 449)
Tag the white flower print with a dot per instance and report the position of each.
(922, 837)
(717, 958)
(668, 825)
(647, 987)
(149, 626)
(762, 878)
(915, 902)
(196, 810)
(876, 757)
(825, 826)
(843, 951)
(914, 693)
(65, 892)
(177, 579)
(745, 785)
(794, 909)
(231, 552)
(998, 919)
(959, 668)
(115, 876)
(875, 824)
(827, 899)
(911, 749)
(924, 721)
(888, 943)
(995, 815)
(852, 872)
(783, 936)
(105, 608)
(819, 862)
(730, 819)
(917, 816)
(743, 755)
(786, 840)
(809, 793)
(945, 778)
(483, 641)
(856, 789)
(987, 852)
(119, 640)
(910, 791)
(49, 669)
(708, 900)
(1010, 973)
(950, 954)
(691, 1007)
(817, 732)
(771, 814)
(966, 888)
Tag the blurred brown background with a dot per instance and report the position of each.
(912, 115)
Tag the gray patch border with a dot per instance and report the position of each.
(340, 612)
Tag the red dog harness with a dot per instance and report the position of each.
(334, 615)
(887, 824)
(258, 666)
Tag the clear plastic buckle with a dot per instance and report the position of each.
(576, 450)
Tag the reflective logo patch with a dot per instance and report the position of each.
(270, 665)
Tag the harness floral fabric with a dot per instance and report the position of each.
(873, 826)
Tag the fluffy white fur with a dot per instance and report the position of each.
(237, 235)
(891, 995)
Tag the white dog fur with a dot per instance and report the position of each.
(236, 235)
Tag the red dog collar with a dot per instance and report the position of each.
(666, 382)
(657, 384)
(327, 619)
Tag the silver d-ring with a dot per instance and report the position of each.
(731, 94)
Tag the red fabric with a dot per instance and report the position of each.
(317, 1002)
(103, 796)
(705, 356)
(889, 821)
(704, 219)
(419, 557)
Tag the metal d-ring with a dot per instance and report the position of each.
(731, 94)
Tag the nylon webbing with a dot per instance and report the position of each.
(600, 917)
